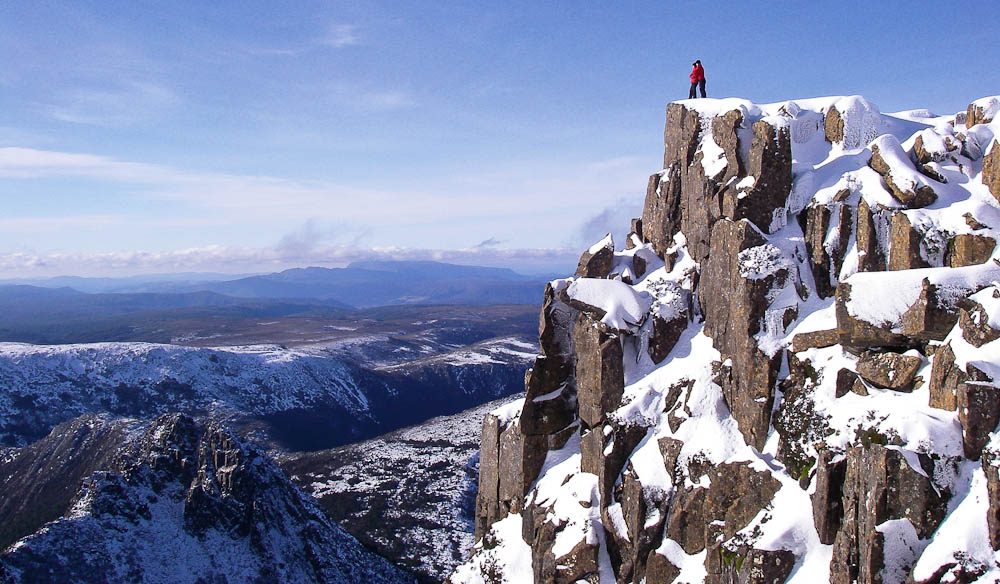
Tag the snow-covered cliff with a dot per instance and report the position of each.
(789, 372)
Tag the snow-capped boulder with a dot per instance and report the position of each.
(905, 183)
(596, 262)
(852, 122)
(982, 111)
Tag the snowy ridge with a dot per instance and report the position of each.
(64, 381)
(820, 401)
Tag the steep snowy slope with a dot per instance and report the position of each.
(789, 373)
(408, 495)
(173, 500)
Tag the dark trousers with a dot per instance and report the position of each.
(700, 85)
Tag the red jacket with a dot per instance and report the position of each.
(697, 74)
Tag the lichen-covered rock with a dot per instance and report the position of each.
(974, 321)
(755, 566)
(889, 370)
(967, 249)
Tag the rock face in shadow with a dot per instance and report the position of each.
(179, 499)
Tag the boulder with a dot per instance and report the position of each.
(931, 317)
(596, 262)
(929, 147)
(814, 340)
(687, 519)
(665, 335)
(852, 122)
(967, 249)
(848, 381)
(981, 112)
(974, 321)
(857, 333)
(737, 494)
(889, 370)
(901, 179)
(659, 569)
(580, 563)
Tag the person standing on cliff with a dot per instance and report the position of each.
(697, 79)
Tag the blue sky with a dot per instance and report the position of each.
(248, 136)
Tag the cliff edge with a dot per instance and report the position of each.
(788, 372)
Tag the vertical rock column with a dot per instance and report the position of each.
(513, 450)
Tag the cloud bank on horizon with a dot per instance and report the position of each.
(251, 136)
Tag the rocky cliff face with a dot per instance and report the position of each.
(172, 500)
(789, 372)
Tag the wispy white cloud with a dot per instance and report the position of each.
(339, 36)
(249, 259)
(336, 36)
(124, 104)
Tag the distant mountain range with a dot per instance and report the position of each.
(77, 310)
(360, 285)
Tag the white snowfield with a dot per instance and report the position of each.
(822, 172)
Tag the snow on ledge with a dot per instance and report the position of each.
(624, 308)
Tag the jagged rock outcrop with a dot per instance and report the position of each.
(806, 388)
(176, 500)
